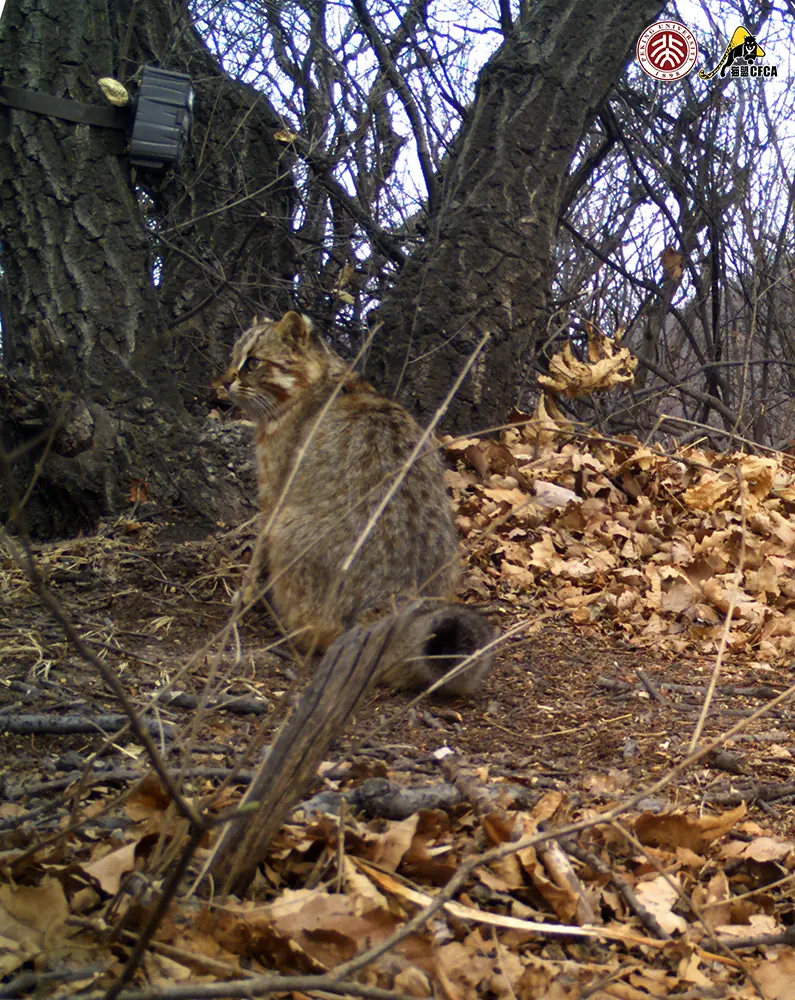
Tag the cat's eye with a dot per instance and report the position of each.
(249, 365)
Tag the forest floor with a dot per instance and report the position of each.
(577, 716)
(610, 816)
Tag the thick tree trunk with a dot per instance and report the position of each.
(92, 347)
(488, 260)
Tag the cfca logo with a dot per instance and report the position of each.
(740, 58)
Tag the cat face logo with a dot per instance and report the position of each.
(740, 57)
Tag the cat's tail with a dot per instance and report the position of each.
(432, 641)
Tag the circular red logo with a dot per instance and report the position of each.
(667, 50)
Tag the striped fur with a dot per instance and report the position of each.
(354, 443)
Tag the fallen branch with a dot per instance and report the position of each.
(102, 724)
(241, 705)
(346, 673)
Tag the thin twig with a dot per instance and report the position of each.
(364, 534)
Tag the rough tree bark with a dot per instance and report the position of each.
(488, 259)
(91, 345)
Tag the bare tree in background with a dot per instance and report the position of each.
(477, 253)
(461, 168)
(658, 165)
(705, 171)
(120, 292)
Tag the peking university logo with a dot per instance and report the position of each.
(667, 50)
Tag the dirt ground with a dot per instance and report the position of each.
(574, 708)
(574, 720)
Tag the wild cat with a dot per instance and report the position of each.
(328, 449)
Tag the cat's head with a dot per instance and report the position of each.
(273, 362)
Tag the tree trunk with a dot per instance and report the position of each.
(488, 260)
(92, 347)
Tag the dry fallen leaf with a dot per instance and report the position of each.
(114, 91)
(777, 977)
(677, 830)
(110, 869)
(32, 921)
(659, 896)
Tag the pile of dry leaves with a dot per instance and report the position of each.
(663, 546)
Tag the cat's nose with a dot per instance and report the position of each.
(222, 384)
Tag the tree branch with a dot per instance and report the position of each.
(403, 91)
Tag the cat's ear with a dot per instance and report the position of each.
(295, 330)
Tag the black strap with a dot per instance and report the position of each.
(59, 107)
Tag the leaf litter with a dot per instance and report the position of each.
(685, 555)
